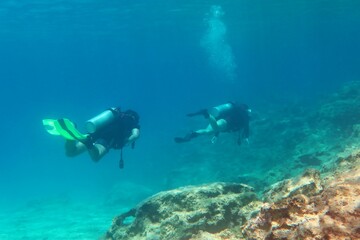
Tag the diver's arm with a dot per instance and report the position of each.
(244, 133)
(135, 134)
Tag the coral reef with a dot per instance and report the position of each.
(186, 212)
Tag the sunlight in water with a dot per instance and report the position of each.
(215, 43)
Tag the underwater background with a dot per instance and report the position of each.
(163, 59)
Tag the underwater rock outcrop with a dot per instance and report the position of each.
(308, 184)
(343, 107)
(186, 212)
(318, 203)
(332, 214)
(314, 205)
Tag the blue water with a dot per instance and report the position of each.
(161, 58)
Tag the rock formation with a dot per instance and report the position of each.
(332, 214)
(186, 212)
(308, 207)
(299, 203)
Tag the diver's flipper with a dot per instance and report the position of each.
(187, 138)
(65, 128)
(50, 126)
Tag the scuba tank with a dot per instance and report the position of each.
(216, 111)
(101, 120)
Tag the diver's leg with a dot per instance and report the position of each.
(213, 128)
(213, 123)
(203, 112)
(205, 131)
(222, 125)
(194, 134)
(187, 137)
(97, 151)
(74, 148)
(218, 125)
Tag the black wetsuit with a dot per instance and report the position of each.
(115, 134)
(237, 119)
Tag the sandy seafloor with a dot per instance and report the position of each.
(56, 218)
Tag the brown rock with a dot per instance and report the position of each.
(308, 184)
(334, 214)
(186, 212)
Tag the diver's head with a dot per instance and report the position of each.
(132, 114)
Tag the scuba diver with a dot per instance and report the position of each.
(228, 117)
(112, 129)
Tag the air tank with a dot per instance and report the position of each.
(216, 111)
(99, 121)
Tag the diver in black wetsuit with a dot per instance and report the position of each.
(228, 117)
(112, 129)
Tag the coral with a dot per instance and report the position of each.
(186, 212)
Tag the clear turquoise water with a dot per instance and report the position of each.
(162, 58)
